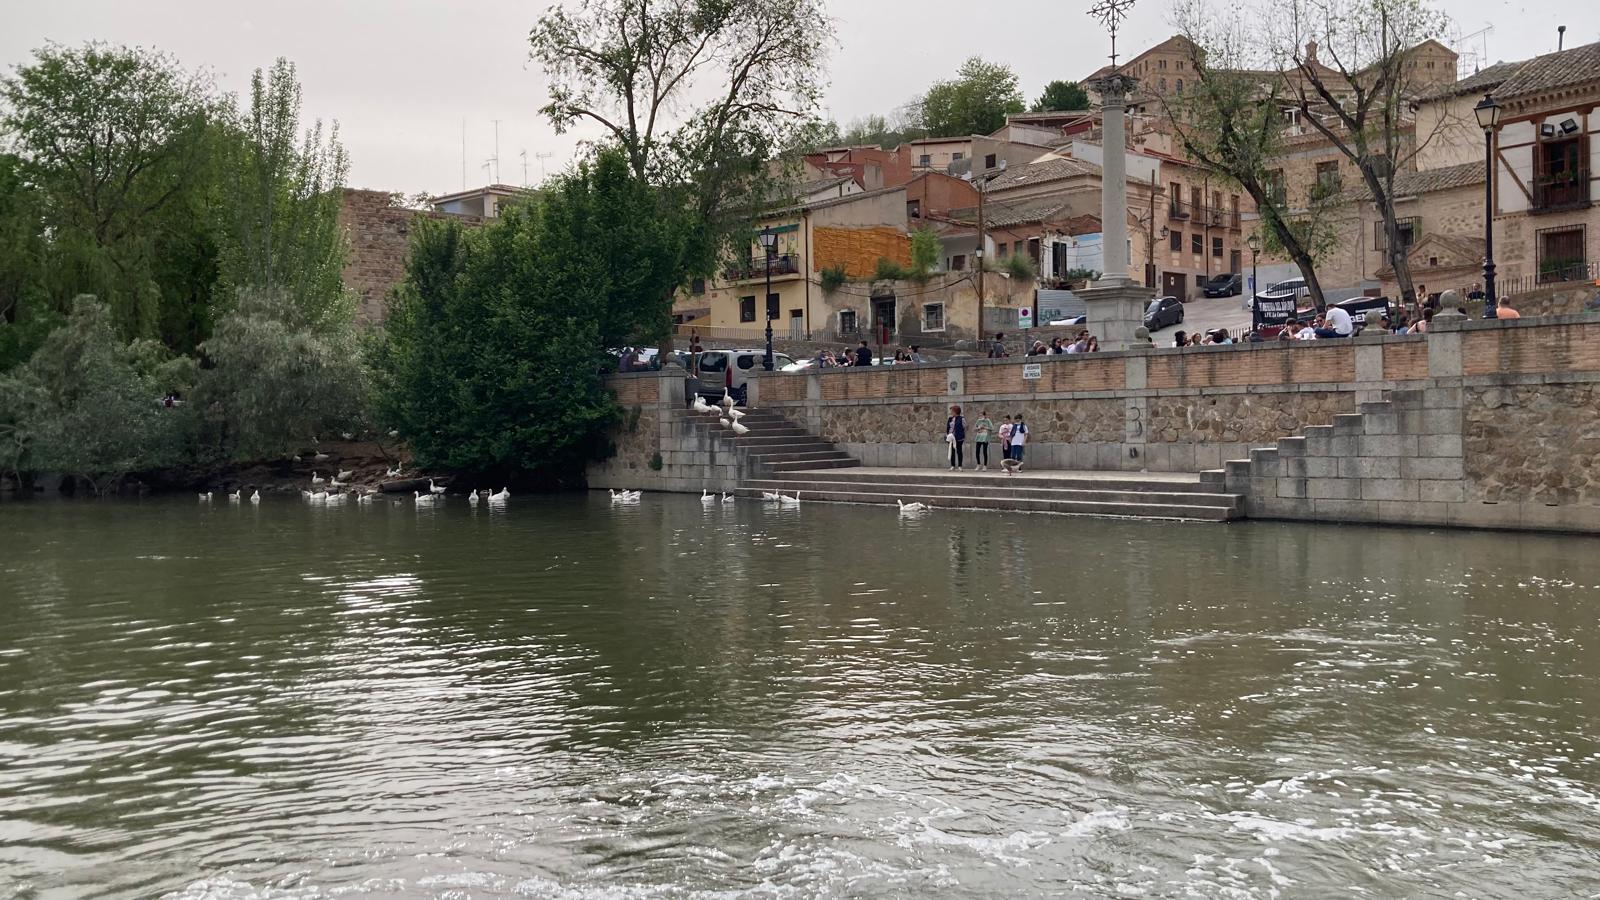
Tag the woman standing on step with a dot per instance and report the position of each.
(982, 429)
(955, 433)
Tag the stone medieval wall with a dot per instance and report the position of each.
(378, 241)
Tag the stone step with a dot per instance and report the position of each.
(821, 451)
(1164, 482)
(845, 462)
(998, 490)
(772, 442)
(1061, 506)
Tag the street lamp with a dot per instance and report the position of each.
(769, 242)
(1488, 113)
(1254, 243)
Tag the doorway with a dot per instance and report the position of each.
(797, 324)
(1175, 284)
(883, 313)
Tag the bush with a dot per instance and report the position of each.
(833, 277)
(88, 405)
(1019, 265)
(888, 270)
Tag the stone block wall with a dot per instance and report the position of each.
(377, 241)
(658, 447)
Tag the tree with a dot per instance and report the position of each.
(1230, 124)
(975, 102)
(1361, 103)
(495, 340)
(925, 252)
(281, 229)
(1060, 96)
(885, 131)
(88, 404)
(692, 92)
(25, 317)
(276, 378)
(112, 138)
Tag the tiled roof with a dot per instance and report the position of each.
(1427, 181)
(1480, 82)
(1044, 170)
(1554, 70)
(1000, 214)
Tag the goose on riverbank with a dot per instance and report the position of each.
(434, 488)
(320, 457)
(739, 427)
(317, 479)
(727, 399)
(701, 406)
(345, 475)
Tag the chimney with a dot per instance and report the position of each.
(1311, 53)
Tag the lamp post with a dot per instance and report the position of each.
(1488, 113)
(769, 242)
(1254, 243)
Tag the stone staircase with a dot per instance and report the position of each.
(774, 446)
(1154, 495)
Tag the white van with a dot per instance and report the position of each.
(729, 370)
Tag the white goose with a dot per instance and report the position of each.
(911, 509)
(334, 483)
(472, 498)
(236, 496)
(320, 457)
(735, 414)
(501, 496)
(205, 497)
(317, 479)
(345, 475)
(434, 488)
(725, 422)
(706, 498)
(319, 497)
(364, 498)
(423, 499)
(727, 399)
(392, 473)
(625, 496)
(771, 496)
(727, 498)
(700, 405)
(790, 501)
(255, 496)
(335, 499)
(739, 427)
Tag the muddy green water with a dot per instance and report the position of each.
(566, 699)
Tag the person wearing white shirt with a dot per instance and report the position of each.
(1337, 324)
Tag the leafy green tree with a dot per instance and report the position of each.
(276, 379)
(1062, 96)
(89, 405)
(25, 316)
(697, 95)
(495, 341)
(281, 228)
(884, 131)
(113, 139)
(976, 101)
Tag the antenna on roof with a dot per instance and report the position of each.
(496, 156)
(463, 154)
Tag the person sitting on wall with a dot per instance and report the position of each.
(864, 355)
(1336, 324)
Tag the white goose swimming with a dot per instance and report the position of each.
(911, 509)
(472, 498)
(790, 501)
(626, 496)
(434, 488)
(501, 496)
(205, 497)
(255, 496)
(706, 498)
(236, 496)
(422, 499)
(727, 498)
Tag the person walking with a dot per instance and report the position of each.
(955, 430)
(981, 431)
(997, 350)
(1019, 443)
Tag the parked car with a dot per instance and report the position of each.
(1163, 311)
(730, 370)
(1228, 284)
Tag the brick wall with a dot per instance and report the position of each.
(377, 235)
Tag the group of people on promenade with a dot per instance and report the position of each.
(1012, 436)
(1083, 343)
(862, 356)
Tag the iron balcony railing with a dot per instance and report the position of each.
(1567, 188)
(752, 269)
(1213, 216)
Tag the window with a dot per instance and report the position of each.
(747, 309)
(1163, 84)
(1327, 179)
(1180, 66)
(1177, 242)
(958, 263)
(697, 286)
(925, 160)
(1216, 247)
(913, 209)
(989, 161)
(1561, 256)
(1560, 177)
(772, 306)
(1197, 243)
(957, 156)
(1000, 249)
(1180, 82)
(1410, 229)
(746, 361)
(714, 360)
(1162, 64)
(1277, 194)
(933, 317)
(848, 324)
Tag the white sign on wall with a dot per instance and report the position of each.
(1032, 372)
(1025, 317)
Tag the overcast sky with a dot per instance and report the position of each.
(401, 76)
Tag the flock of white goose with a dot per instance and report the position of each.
(331, 491)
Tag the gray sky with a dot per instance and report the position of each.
(400, 76)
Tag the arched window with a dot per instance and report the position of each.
(1180, 85)
(1163, 85)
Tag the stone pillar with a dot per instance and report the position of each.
(1114, 311)
(1113, 178)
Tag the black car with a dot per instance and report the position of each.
(1163, 311)
(1228, 284)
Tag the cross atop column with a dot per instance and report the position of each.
(1111, 13)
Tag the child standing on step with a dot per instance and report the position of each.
(1019, 442)
(1005, 440)
(980, 440)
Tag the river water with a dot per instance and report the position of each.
(566, 699)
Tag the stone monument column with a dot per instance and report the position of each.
(1115, 303)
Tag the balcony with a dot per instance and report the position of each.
(783, 266)
(1208, 216)
(1560, 189)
